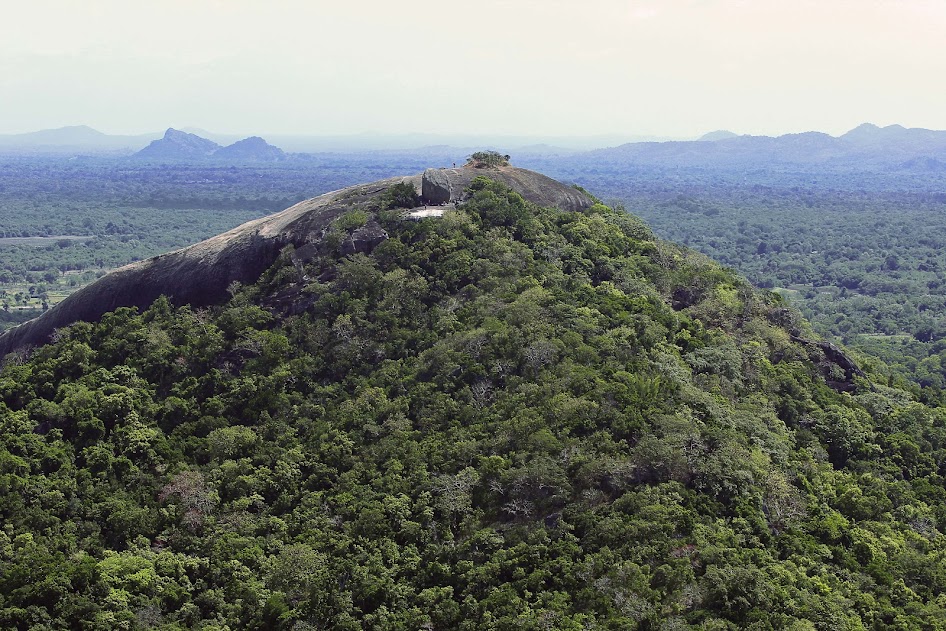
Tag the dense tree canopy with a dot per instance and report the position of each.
(507, 418)
(860, 253)
(489, 158)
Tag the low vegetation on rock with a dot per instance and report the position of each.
(487, 159)
(402, 195)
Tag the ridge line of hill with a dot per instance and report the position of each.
(201, 273)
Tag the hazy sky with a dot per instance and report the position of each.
(525, 67)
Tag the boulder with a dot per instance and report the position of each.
(436, 188)
(364, 239)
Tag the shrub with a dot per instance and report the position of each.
(487, 159)
(402, 195)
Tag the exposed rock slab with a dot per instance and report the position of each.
(200, 274)
(833, 355)
(440, 186)
(364, 239)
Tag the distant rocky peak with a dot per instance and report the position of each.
(720, 134)
(254, 141)
(178, 145)
(253, 148)
(869, 132)
(177, 135)
(864, 128)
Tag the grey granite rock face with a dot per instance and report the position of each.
(441, 186)
(200, 274)
(834, 356)
(364, 239)
(436, 188)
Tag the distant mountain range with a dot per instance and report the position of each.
(84, 139)
(74, 138)
(866, 148)
(180, 145)
(173, 145)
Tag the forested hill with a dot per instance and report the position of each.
(507, 417)
(864, 147)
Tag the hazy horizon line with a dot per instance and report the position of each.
(197, 130)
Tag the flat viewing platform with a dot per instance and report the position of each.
(423, 212)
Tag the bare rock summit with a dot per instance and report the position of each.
(252, 149)
(178, 145)
(441, 186)
(200, 274)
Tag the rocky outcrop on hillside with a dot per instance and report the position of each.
(837, 368)
(253, 149)
(200, 274)
(441, 186)
(181, 146)
(178, 145)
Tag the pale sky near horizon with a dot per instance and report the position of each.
(519, 67)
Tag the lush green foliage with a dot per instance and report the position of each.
(402, 195)
(488, 158)
(507, 418)
(868, 269)
(859, 252)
